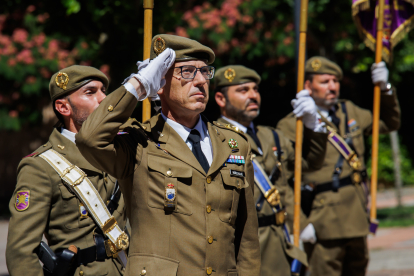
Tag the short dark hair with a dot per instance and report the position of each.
(223, 90)
(309, 77)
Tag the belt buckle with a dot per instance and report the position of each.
(111, 250)
(280, 217)
(273, 197)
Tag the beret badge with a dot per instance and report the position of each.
(62, 80)
(159, 45)
(316, 64)
(230, 74)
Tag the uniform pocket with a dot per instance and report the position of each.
(232, 272)
(229, 196)
(151, 265)
(71, 213)
(164, 171)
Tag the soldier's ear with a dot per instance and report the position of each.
(307, 86)
(220, 99)
(63, 107)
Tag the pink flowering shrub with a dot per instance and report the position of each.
(28, 58)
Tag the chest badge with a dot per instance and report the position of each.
(233, 144)
(170, 196)
(82, 210)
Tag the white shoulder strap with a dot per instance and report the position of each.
(76, 180)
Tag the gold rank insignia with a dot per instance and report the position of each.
(230, 74)
(316, 64)
(62, 80)
(233, 144)
(159, 45)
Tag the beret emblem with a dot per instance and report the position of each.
(230, 74)
(159, 45)
(62, 80)
(316, 64)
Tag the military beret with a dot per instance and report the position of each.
(185, 48)
(321, 65)
(72, 78)
(235, 74)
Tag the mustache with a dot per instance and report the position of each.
(251, 101)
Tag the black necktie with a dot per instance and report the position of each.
(253, 135)
(194, 138)
(334, 118)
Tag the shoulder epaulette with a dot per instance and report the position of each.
(40, 150)
(231, 127)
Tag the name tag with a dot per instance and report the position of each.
(237, 173)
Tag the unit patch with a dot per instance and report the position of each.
(351, 122)
(22, 200)
(236, 159)
(82, 210)
(170, 196)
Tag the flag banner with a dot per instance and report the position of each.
(398, 21)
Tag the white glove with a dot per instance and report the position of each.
(151, 73)
(379, 74)
(308, 234)
(141, 65)
(305, 106)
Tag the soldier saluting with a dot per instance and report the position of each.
(191, 211)
(335, 238)
(46, 199)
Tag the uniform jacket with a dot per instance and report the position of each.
(213, 228)
(272, 237)
(54, 211)
(343, 214)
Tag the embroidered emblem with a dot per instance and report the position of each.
(274, 151)
(170, 196)
(316, 64)
(159, 45)
(82, 210)
(230, 74)
(30, 155)
(22, 200)
(62, 80)
(122, 132)
(233, 144)
(236, 159)
(351, 122)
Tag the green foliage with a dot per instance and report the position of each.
(396, 217)
(386, 162)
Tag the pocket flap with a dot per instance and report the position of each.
(164, 165)
(235, 181)
(153, 265)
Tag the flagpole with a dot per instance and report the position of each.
(375, 123)
(148, 9)
(299, 123)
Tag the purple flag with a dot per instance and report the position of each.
(398, 21)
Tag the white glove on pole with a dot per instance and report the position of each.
(379, 74)
(305, 106)
(151, 73)
(308, 234)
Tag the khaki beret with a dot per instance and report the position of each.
(235, 74)
(321, 65)
(72, 78)
(185, 48)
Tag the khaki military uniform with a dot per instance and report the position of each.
(53, 210)
(340, 218)
(213, 228)
(275, 251)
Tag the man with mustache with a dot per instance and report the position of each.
(44, 202)
(191, 211)
(239, 99)
(335, 238)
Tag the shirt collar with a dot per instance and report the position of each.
(184, 131)
(68, 134)
(240, 126)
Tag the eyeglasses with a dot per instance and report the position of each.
(189, 72)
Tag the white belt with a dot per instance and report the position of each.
(77, 181)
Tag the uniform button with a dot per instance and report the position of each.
(106, 179)
(208, 209)
(81, 273)
(110, 108)
(210, 239)
(143, 272)
(322, 201)
(169, 173)
(209, 270)
(208, 179)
